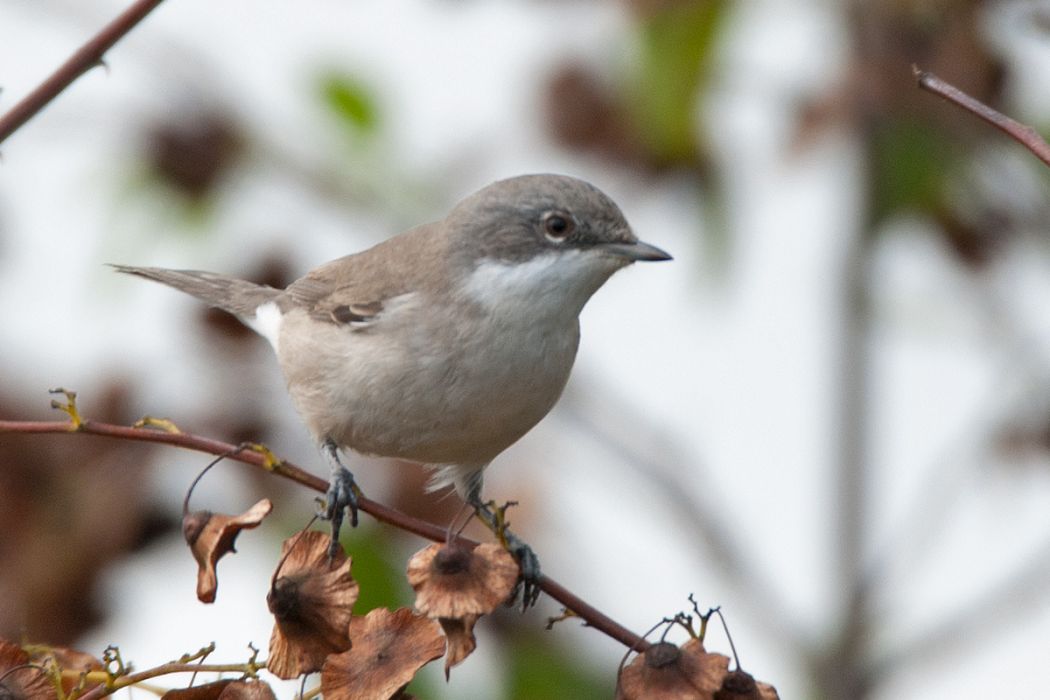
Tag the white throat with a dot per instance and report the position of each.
(558, 283)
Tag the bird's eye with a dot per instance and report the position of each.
(558, 225)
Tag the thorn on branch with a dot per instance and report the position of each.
(199, 655)
(165, 424)
(253, 662)
(83, 59)
(113, 664)
(271, 462)
(566, 614)
(69, 407)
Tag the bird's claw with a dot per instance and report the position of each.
(341, 496)
(529, 564)
(495, 517)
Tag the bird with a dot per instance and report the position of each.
(444, 344)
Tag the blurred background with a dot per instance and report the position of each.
(829, 415)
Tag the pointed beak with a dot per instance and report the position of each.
(637, 251)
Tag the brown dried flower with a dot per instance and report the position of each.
(211, 535)
(454, 581)
(461, 642)
(457, 585)
(69, 660)
(226, 689)
(389, 648)
(741, 685)
(667, 672)
(312, 600)
(20, 681)
(204, 691)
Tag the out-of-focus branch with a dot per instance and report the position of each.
(708, 523)
(84, 59)
(1022, 133)
(1007, 603)
(585, 611)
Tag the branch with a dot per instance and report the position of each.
(585, 611)
(86, 57)
(108, 686)
(1007, 603)
(699, 511)
(1022, 133)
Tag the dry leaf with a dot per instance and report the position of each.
(389, 647)
(28, 683)
(312, 600)
(454, 581)
(211, 535)
(667, 672)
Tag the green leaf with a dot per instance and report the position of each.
(677, 47)
(910, 163)
(350, 101)
(540, 670)
(382, 583)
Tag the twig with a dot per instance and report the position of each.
(594, 617)
(1022, 133)
(1000, 607)
(84, 59)
(653, 459)
(167, 669)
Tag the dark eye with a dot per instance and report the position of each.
(558, 225)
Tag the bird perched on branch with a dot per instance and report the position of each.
(444, 344)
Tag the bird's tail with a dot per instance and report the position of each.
(238, 297)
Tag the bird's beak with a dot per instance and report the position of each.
(637, 251)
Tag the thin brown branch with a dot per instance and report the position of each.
(1022, 133)
(108, 686)
(591, 615)
(84, 59)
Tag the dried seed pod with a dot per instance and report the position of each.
(19, 679)
(311, 599)
(667, 672)
(389, 647)
(211, 535)
(454, 581)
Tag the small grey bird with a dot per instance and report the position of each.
(442, 345)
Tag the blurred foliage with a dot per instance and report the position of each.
(677, 46)
(647, 114)
(350, 101)
(68, 510)
(911, 162)
(191, 153)
(380, 575)
(541, 668)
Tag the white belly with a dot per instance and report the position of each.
(453, 379)
(433, 396)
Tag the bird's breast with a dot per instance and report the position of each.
(428, 385)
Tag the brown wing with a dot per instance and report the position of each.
(352, 289)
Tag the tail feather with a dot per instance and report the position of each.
(238, 297)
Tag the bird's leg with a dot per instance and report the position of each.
(341, 495)
(495, 520)
(455, 527)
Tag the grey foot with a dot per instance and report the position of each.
(529, 583)
(528, 562)
(341, 495)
